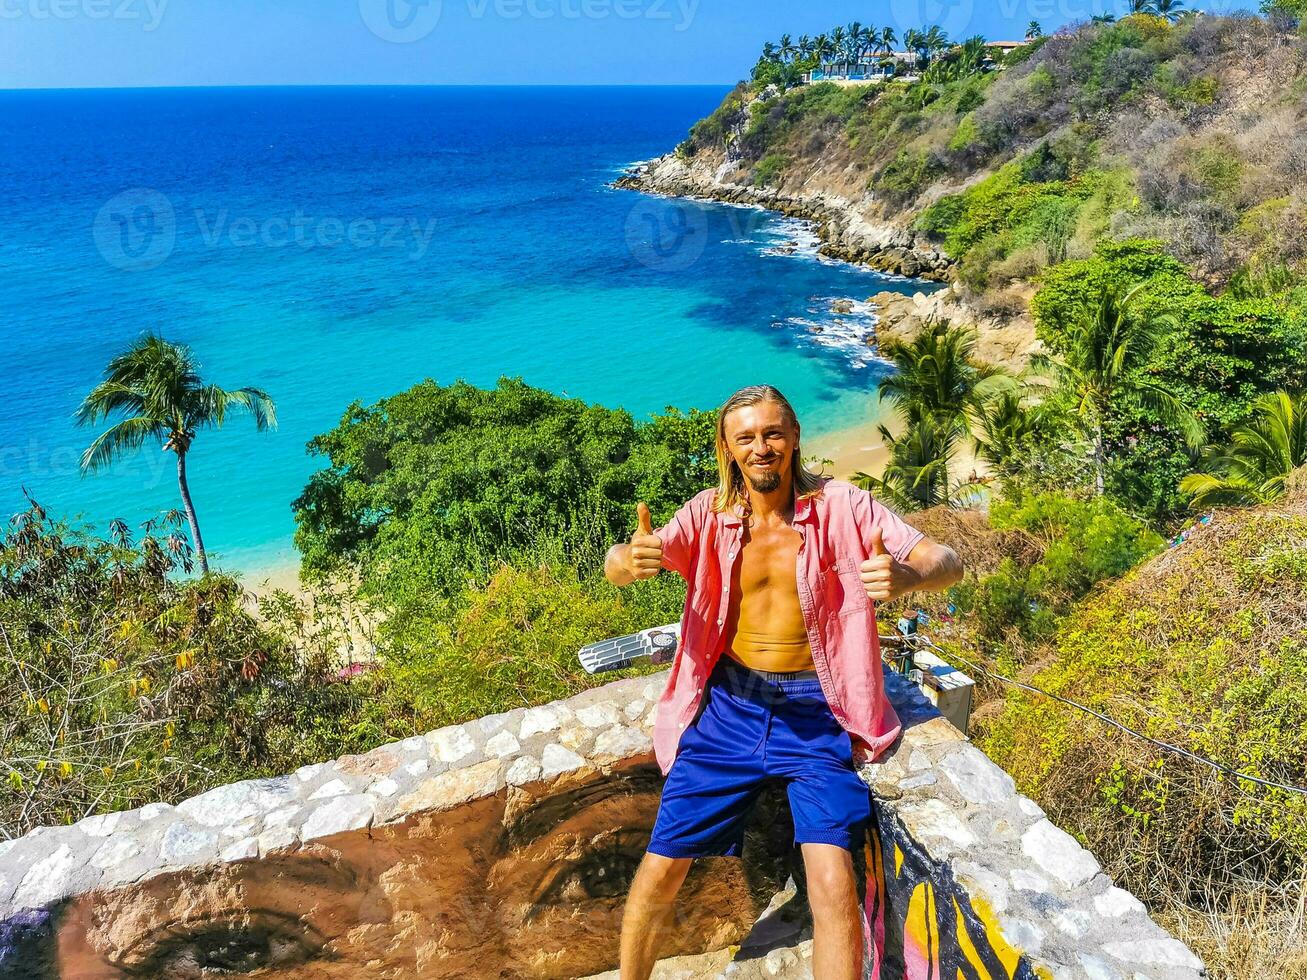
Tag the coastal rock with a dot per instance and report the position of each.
(1006, 341)
(845, 230)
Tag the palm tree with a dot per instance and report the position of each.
(884, 43)
(913, 40)
(1170, 9)
(785, 48)
(821, 50)
(1034, 31)
(1140, 6)
(1103, 19)
(935, 41)
(156, 387)
(837, 44)
(936, 375)
(1263, 451)
(769, 53)
(1104, 351)
(916, 475)
(1003, 425)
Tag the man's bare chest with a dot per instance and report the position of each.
(768, 560)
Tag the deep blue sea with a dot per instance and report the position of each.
(338, 244)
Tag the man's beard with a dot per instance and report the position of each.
(765, 483)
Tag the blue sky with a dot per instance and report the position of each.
(80, 43)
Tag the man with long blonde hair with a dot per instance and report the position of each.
(778, 673)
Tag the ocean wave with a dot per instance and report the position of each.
(851, 334)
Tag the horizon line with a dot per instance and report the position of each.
(286, 85)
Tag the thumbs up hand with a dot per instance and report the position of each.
(645, 556)
(882, 575)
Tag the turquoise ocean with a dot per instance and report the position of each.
(341, 244)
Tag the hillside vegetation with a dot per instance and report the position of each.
(1192, 133)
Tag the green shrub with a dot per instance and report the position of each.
(769, 169)
(124, 685)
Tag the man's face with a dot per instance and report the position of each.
(762, 444)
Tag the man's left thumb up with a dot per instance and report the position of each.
(878, 542)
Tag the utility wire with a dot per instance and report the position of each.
(918, 637)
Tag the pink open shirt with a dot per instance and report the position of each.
(835, 528)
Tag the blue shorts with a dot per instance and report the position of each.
(749, 728)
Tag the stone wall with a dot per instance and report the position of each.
(503, 847)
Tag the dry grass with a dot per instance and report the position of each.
(1261, 934)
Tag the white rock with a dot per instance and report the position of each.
(115, 852)
(415, 744)
(277, 839)
(47, 880)
(1163, 951)
(242, 850)
(339, 815)
(622, 741)
(1116, 902)
(935, 818)
(634, 709)
(451, 743)
(183, 844)
(1023, 934)
(503, 744)
(1058, 853)
(1029, 807)
(152, 810)
(417, 767)
(1073, 922)
(336, 787)
(306, 774)
(778, 961)
(598, 715)
(544, 718)
(1028, 881)
(1097, 969)
(976, 777)
(101, 825)
(523, 770)
(384, 788)
(280, 818)
(231, 804)
(918, 781)
(988, 885)
(556, 760)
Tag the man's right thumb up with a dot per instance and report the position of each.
(645, 523)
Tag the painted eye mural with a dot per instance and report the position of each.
(534, 887)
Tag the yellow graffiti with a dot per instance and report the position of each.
(923, 924)
(1007, 955)
(898, 861)
(968, 947)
